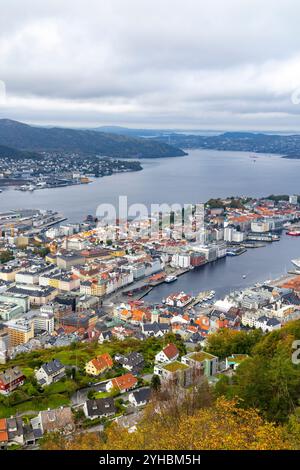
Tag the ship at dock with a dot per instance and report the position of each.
(170, 279)
(235, 251)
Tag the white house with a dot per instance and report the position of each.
(168, 354)
(50, 372)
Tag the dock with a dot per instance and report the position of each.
(199, 298)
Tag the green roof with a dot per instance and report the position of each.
(174, 366)
(201, 356)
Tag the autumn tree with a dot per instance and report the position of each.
(223, 426)
(268, 380)
(226, 342)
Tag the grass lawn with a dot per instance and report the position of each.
(63, 386)
(78, 354)
(53, 401)
(102, 394)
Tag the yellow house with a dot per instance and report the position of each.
(99, 364)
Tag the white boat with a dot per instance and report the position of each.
(170, 279)
(296, 262)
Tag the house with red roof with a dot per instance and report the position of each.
(99, 364)
(168, 354)
(124, 383)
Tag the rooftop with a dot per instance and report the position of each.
(175, 366)
(201, 356)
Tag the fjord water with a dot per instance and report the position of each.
(226, 275)
(194, 178)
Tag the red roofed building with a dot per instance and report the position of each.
(178, 300)
(10, 380)
(99, 364)
(168, 354)
(123, 383)
(3, 434)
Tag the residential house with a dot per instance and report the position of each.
(167, 354)
(180, 299)
(155, 329)
(10, 380)
(57, 420)
(99, 364)
(267, 324)
(134, 362)
(196, 338)
(50, 372)
(15, 430)
(105, 336)
(140, 397)
(122, 384)
(99, 408)
(121, 333)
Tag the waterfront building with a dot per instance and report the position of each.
(181, 260)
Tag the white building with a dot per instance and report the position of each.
(181, 260)
(44, 321)
(293, 199)
(260, 227)
(233, 235)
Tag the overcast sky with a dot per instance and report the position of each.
(202, 64)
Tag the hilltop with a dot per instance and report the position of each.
(41, 139)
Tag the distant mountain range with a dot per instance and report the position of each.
(88, 142)
(286, 145)
(114, 141)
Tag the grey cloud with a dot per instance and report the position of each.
(170, 63)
